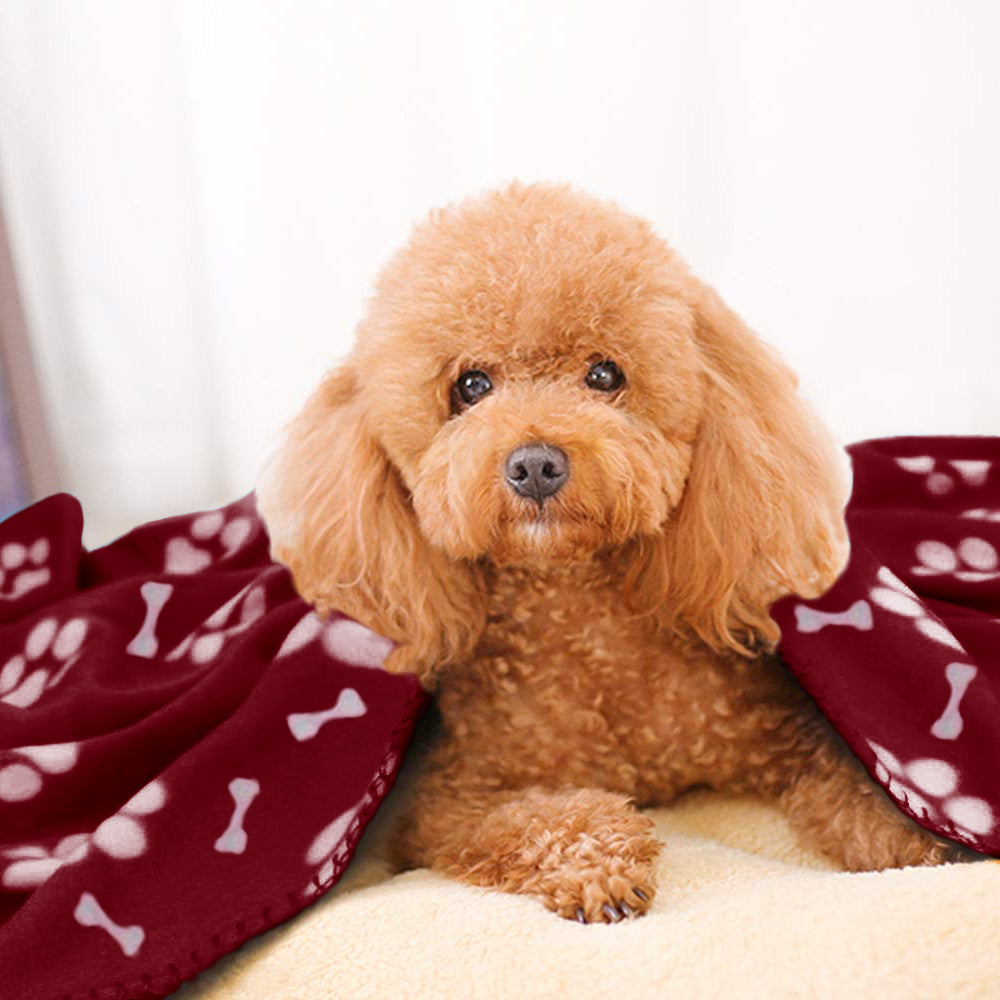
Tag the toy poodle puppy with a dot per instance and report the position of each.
(569, 482)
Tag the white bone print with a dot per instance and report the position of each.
(305, 725)
(927, 786)
(89, 913)
(858, 616)
(23, 569)
(959, 676)
(328, 847)
(156, 596)
(234, 838)
(182, 555)
(49, 652)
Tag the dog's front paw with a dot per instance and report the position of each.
(597, 882)
(602, 897)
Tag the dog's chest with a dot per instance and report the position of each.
(573, 686)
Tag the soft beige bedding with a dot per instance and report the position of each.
(741, 911)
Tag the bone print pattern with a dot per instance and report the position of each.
(178, 673)
(90, 913)
(306, 725)
(233, 839)
(929, 788)
(49, 652)
(857, 616)
(959, 676)
(155, 595)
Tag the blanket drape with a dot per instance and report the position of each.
(902, 654)
(187, 754)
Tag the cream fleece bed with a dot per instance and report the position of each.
(741, 911)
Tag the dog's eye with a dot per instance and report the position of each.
(470, 387)
(605, 376)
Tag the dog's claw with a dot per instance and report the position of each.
(611, 913)
(580, 915)
(641, 895)
(625, 909)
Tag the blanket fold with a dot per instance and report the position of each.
(902, 654)
(187, 754)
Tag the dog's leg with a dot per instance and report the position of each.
(838, 810)
(586, 853)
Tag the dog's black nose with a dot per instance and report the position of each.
(537, 471)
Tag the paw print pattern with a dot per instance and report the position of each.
(23, 778)
(23, 569)
(343, 639)
(972, 561)
(894, 596)
(941, 481)
(211, 537)
(120, 836)
(49, 652)
(235, 616)
(982, 514)
(928, 788)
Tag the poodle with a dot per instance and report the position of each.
(569, 482)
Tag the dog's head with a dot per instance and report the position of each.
(538, 379)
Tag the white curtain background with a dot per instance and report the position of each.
(200, 194)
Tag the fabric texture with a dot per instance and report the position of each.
(902, 654)
(741, 911)
(187, 754)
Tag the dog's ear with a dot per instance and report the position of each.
(340, 518)
(762, 511)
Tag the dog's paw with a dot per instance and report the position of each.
(607, 899)
(601, 884)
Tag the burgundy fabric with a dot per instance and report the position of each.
(908, 666)
(185, 749)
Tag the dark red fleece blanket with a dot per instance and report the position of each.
(902, 654)
(188, 756)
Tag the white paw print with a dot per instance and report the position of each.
(120, 836)
(23, 569)
(23, 778)
(211, 537)
(341, 638)
(49, 652)
(234, 617)
(973, 560)
(941, 482)
(896, 597)
(928, 787)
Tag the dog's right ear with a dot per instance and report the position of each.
(340, 517)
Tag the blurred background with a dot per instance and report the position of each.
(198, 196)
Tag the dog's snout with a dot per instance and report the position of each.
(537, 471)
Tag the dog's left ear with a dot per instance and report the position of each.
(762, 510)
(341, 519)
